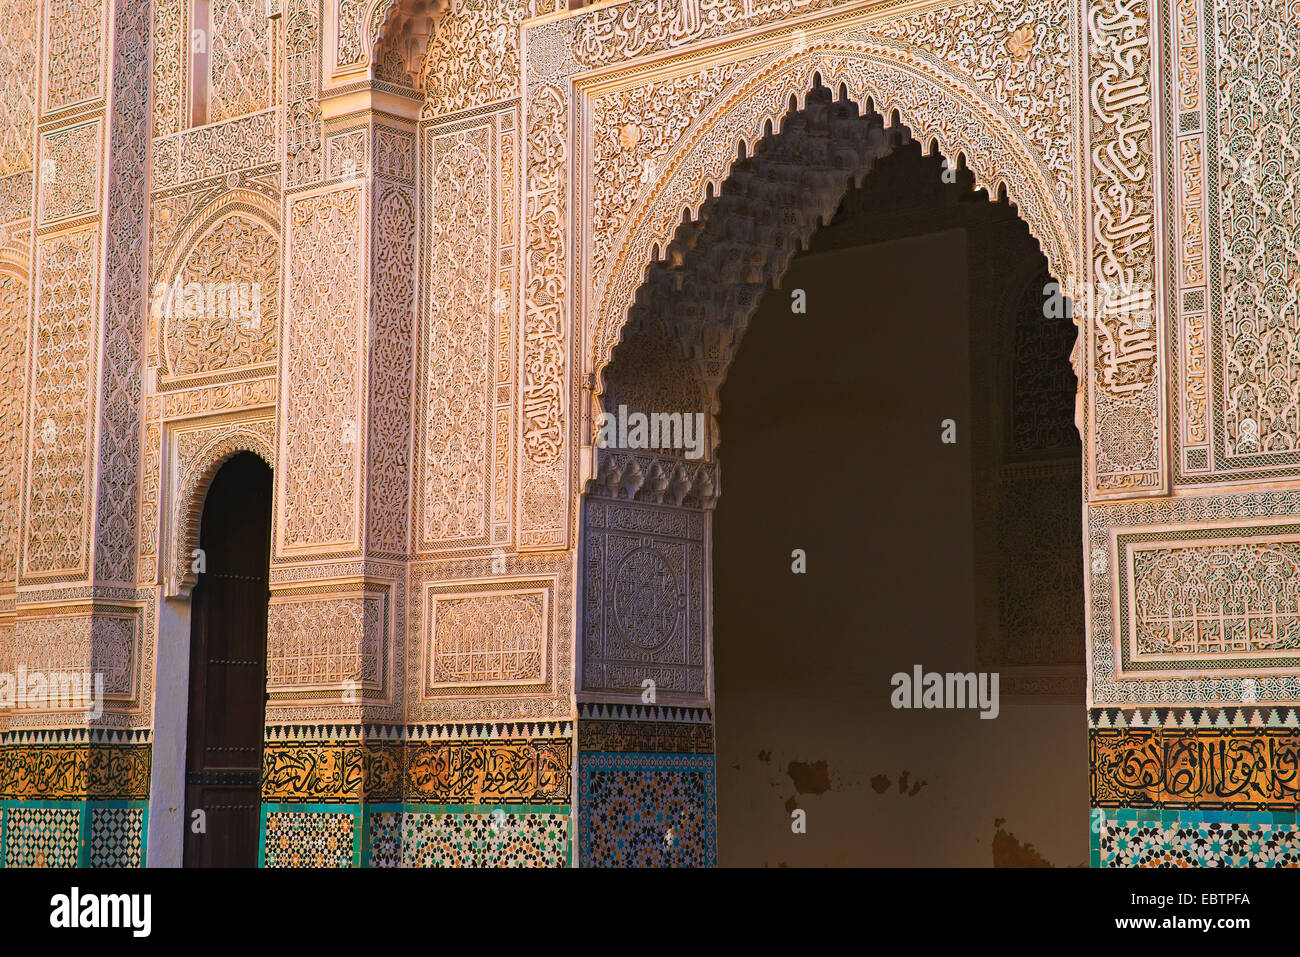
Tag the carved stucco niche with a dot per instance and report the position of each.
(215, 303)
(19, 48)
(195, 452)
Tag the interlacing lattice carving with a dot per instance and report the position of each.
(391, 357)
(459, 339)
(322, 433)
(171, 53)
(13, 375)
(18, 51)
(239, 58)
(70, 172)
(1259, 148)
(74, 48)
(121, 408)
(302, 121)
(57, 514)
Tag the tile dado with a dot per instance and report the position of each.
(503, 771)
(108, 834)
(1154, 838)
(469, 836)
(647, 810)
(70, 803)
(1224, 769)
(421, 835)
(309, 836)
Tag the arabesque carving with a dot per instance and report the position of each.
(495, 219)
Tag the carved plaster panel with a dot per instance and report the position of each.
(644, 607)
(490, 639)
(1192, 595)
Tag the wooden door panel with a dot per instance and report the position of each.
(228, 668)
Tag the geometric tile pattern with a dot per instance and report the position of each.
(470, 836)
(42, 837)
(117, 836)
(309, 837)
(647, 810)
(1149, 838)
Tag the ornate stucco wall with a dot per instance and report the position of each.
(452, 213)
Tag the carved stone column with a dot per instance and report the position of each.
(337, 608)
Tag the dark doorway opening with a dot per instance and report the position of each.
(227, 700)
(924, 304)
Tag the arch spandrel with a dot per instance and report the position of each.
(932, 107)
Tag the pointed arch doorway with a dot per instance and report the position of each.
(227, 684)
(839, 413)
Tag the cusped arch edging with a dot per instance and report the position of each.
(932, 106)
(194, 478)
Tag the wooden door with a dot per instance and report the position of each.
(228, 668)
